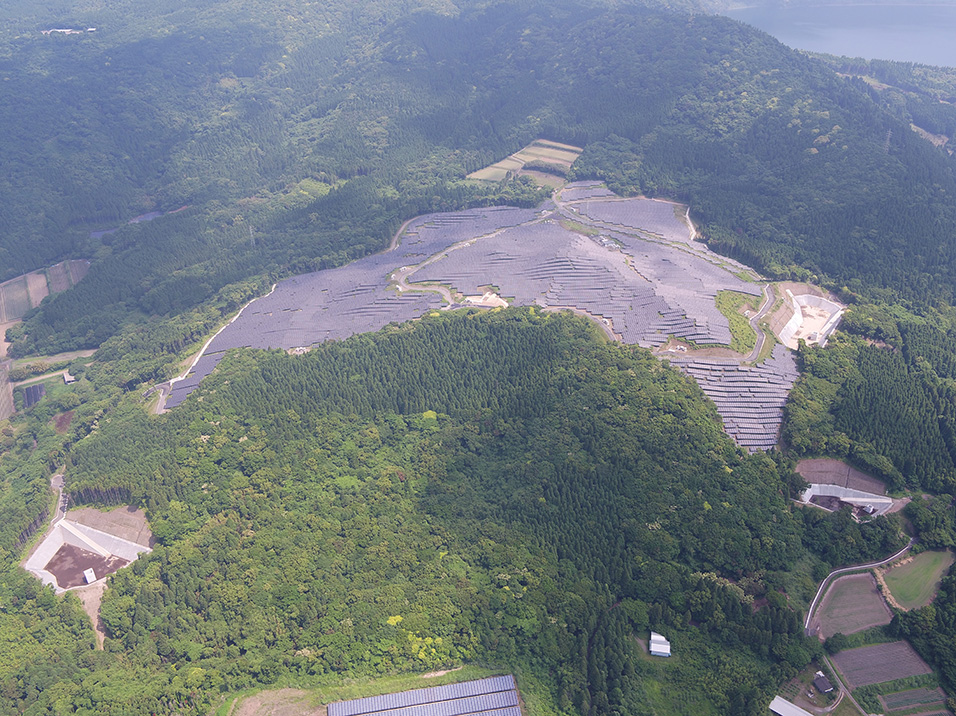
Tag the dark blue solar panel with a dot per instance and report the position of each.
(433, 695)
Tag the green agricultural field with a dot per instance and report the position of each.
(732, 304)
(914, 583)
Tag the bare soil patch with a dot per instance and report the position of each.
(126, 522)
(852, 604)
(827, 471)
(433, 674)
(879, 663)
(61, 423)
(281, 702)
(69, 563)
(91, 597)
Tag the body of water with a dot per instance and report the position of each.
(907, 33)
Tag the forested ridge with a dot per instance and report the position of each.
(530, 490)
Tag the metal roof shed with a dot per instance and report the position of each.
(659, 646)
(782, 707)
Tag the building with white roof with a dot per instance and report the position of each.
(659, 645)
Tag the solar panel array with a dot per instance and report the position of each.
(635, 277)
(750, 399)
(341, 302)
(656, 217)
(584, 190)
(495, 696)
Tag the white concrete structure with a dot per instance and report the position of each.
(89, 575)
(83, 537)
(791, 332)
(659, 646)
(858, 498)
(782, 707)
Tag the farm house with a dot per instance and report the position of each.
(659, 646)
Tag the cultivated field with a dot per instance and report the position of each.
(59, 276)
(14, 298)
(37, 287)
(852, 604)
(20, 294)
(878, 663)
(826, 471)
(78, 270)
(914, 582)
(928, 699)
(561, 156)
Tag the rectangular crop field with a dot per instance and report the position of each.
(59, 277)
(878, 663)
(37, 287)
(914, 583)
(562, 155)
(16, 299)
(78, 270)
(928, 698)
(852, 604)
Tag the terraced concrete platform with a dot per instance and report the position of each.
(635, 267)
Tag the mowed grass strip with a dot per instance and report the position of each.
(879, 663)
(914, 583)
(732, 304)
(852, 604)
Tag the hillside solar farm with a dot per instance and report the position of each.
(633, 265)
(495, 696)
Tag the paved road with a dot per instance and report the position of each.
(755, 323)
(843, 570)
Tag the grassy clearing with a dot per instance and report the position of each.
(914, 584)
(733, 304)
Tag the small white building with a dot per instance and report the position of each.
(90, 575)
(659, 646)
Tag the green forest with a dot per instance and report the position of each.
(500, 488)
(313, 522)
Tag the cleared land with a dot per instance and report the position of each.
(852, 604)
(37, 287)
(561, 156)
(59, 276)
(70, 561)
(631, 264)
(827, 471)
(914, 582)
(911, 698)
(129, 523)
(16, 298)
(20, 294)
(78, 270)
(879, 663)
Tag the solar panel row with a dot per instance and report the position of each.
(493, 686)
